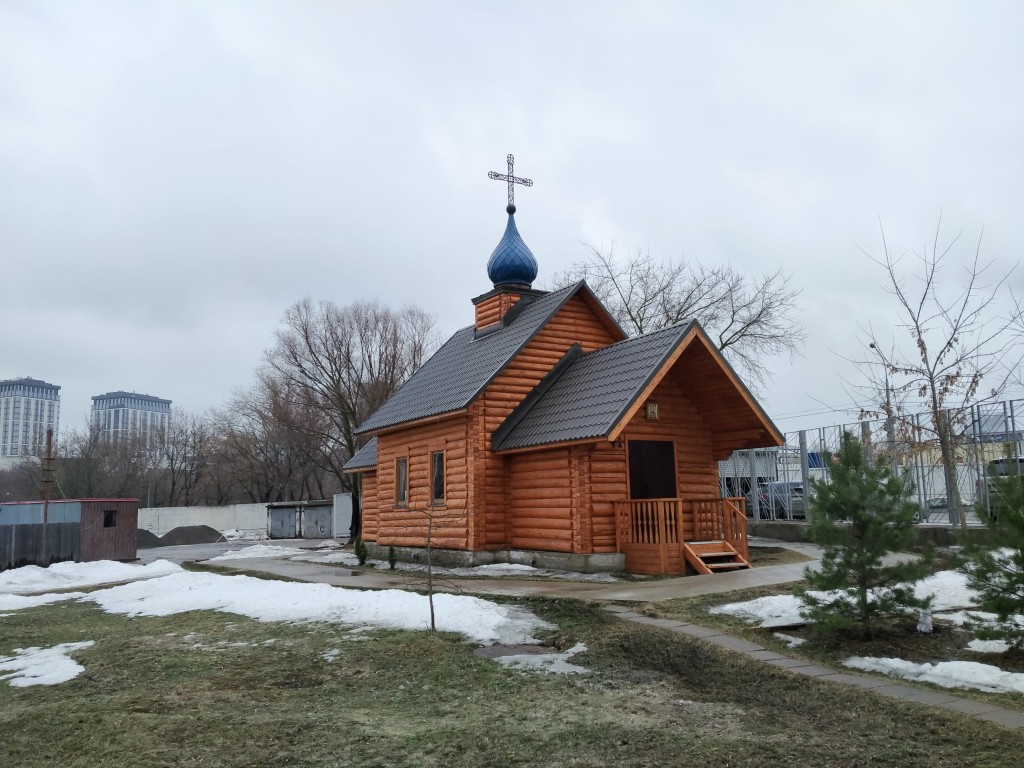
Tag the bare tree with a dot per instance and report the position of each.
(342, 363)
(91, 464)
(962, 347)
(266, 444)
(750, 318)
(184, 453)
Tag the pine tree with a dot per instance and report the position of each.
(996, 569)
(864, 514)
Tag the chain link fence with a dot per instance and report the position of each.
(984, 440)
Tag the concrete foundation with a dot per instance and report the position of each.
(934, 535)
(614, 562)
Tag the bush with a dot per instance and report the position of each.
(392, 557)
(360, 551)
(864, 514)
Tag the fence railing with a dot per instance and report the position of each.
(777, 482)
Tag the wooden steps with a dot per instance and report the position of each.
(713, 556)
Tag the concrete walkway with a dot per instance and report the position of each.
(651, 591)
(633, 591)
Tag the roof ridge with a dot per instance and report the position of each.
(682, 324)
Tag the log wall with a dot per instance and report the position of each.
(681, 422)
(493, 308)
(370, 505)
(406, 525)
(541, 502)
(575, 323)
(733, 412)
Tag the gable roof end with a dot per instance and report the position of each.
(593, 394)
(600, 392)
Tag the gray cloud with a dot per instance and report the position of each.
(173, 175)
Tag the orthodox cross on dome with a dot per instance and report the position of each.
(512, 181)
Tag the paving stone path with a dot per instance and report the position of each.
(980, 710)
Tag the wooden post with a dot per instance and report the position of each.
(662, 544)
(680, 533)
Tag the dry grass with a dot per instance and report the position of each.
(899, 639)
(762, 556)
(209, 689)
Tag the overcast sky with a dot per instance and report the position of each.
(173, 175)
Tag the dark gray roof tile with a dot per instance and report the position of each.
(365, 457)
(592, 393)
(452, 378)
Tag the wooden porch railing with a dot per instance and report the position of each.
(664, 521)
(721, 520)
(649, 521)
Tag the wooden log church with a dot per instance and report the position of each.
(541, 434)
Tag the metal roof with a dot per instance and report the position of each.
(453, 377)
(365, 457)
(136, 395)
(28, 382)
(591, 393)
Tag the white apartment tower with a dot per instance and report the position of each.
(28, 407)
(121, 415)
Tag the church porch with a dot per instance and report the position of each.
(672, 536)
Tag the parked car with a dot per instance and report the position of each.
(985, 488)
(785, 498)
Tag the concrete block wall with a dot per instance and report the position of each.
(248, 518)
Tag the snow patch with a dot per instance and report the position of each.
(988, 646)
(42, 666)
(790, 640)
(480, 620)
(262, 551)
(771, 611)
(555, 663)
(233, 534)
(18, 602)
(947, 588)
(948, 674)
(32, 578)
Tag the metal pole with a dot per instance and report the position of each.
(890, 431)
(1013, 431)
(805, 477)
(755, 495)
(865, 439)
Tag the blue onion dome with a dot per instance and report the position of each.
(512, 263)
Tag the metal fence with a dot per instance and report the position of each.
(777, 482)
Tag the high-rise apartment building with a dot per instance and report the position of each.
(28, 407)
(123, 415)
